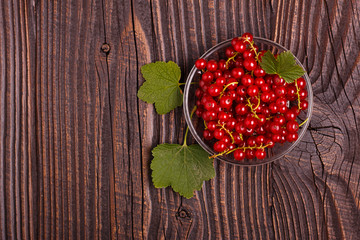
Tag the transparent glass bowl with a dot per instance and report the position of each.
(196, 124)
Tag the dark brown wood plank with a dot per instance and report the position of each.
(75, 142)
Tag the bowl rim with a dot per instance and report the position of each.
(255, 162)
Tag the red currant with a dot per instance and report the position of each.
(250, 64)
(220, 146)
(239, 154)
(200, 64)
(212, 65)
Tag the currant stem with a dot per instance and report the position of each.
(222, 92)
(297, 93)
(253, 109)
(227, 131)
(231, 59)
(303, 122)
(253, 48)
(187, 127)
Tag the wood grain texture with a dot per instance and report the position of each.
(75, 142)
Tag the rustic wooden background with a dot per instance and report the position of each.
(75, 141)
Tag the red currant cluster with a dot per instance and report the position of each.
(244, 109)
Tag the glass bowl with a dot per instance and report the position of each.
(196, 124)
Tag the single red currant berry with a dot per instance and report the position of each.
(230, 124)
(279, 119)
(237, 72)
(212, 115)
(211, 125)
(278, 81)
(207, 76)
(260, 139)
(240, 128)
(226, 139)
(259, 72)
(234, 40)
(239, 46)
(283, 139)
(251, 141)
(300, 83)
(275, 128)
(218, 73)
(266, 111)
(239, 154)
(219, 133)
(232, 94)
(221, 81)
(241, 109)
(212, 65)
(220, 146)
(229, 52)
(269, 143)
(281, 102)
(290, 115)
(231, 146)
(304, 104)
(260, 153)
(276, 138)
(248, 54)
(247, 80)
(273, 108)
(250, 122)
(241, 90)
(291, 92)
(198, 93)
(199, 112)
(250, 64)
(214, 90)
(292, 126)
(292, 137)
(222, 65)
(296, 110)
(223, 117)
(239, 62)
(200, 64)
(259, 82)
(283, 109)
(272, 96)
(260, 130)
(247, 36)
(250, 153)
(198, 103)
(265, 87)
(253, 90)
(210, 105)
(269, 80)
(265, 97)
(280, 91)
(208, 135)
(303, 94)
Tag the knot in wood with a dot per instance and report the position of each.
(105, 48)
(183, 213)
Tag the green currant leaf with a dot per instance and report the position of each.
(269, 63)
(284, 65)
(290, 74)
(161, 86)
(182, 167)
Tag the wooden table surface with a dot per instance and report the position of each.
(75, 141)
